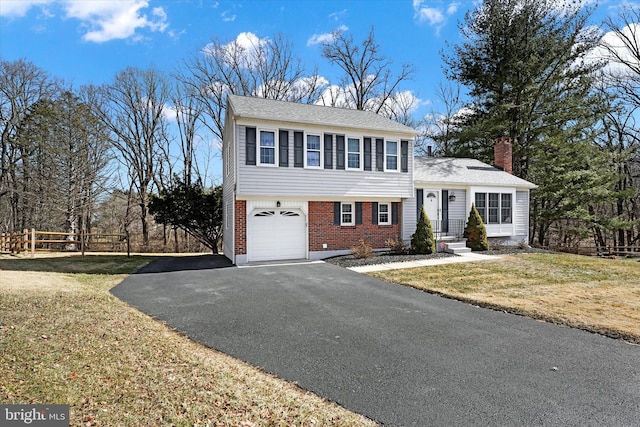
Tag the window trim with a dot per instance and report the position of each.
(487, 210)
(320, 150)
(275, 148)
(352, 213)
(360, 153)
(387, 155)
(388, 213)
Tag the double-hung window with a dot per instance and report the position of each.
(354, 153)
(391, 162)
(505, 208)
(481, 205)
(494, 208)
(267, 147)
(384, 213)
(347, 214)
(313, 149)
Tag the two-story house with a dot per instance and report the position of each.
(309, 181)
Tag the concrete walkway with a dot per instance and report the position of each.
(468, 257)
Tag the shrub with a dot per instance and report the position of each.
(362, 250)
(396, 246)
(475, 232)
(422, 241)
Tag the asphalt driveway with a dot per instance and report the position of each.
(397, 355)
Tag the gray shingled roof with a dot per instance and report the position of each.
(292, 112)
(449, 170)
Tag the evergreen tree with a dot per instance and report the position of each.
(422, 241)
(523, 62)
(191, 208)
(475, 231)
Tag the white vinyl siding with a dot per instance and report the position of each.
(521, 214)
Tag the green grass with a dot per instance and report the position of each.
(65, 339)
(595, 294)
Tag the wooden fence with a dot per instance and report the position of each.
(32, 241)
(623, 251)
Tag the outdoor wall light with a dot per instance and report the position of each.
(278, 204)
(452, 197)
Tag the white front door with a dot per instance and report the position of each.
(433, 210)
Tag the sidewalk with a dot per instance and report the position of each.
(468, 257)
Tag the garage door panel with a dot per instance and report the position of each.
(277, 234)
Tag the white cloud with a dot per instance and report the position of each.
(103, 20)
(227, 16)
(19, 8)
(108, 20)
(615, 64)
(326, 37)
(431, 15)
(434, 16)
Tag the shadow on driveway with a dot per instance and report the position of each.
(195, 262)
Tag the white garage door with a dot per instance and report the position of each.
(276, 234)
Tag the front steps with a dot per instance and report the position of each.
(457, 248)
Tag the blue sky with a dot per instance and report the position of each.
(89, 41)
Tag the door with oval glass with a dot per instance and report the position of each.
(432, 208)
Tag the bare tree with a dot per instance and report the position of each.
(134, 112)
(439, 126)
(623, 46)
(247, 66)
(368, 82)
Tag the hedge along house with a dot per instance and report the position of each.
(308, 181)
(447, 187)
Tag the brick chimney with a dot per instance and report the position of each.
(503, 154)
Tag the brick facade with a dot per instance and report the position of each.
(241, 227)
(323, 230)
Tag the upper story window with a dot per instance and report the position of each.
(494, 208)
(354, 153)
(384, 213)
(313, 151)
(391, 156)
(347, 214)
(267, 147)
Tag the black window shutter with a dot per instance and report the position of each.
(283, 144)
(445, 211)
(394, 212)
(419, 200)
(336, 213)
(404, 161)
(379, 154)
(251, 146)
(339, 151)
(358, 212)
(367, 154)
(374, 213)
(298, 149)
(328, 151)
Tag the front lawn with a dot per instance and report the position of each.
(595, 294)
(65, 339)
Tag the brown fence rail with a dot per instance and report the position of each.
(629, 251)
(36, 241)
